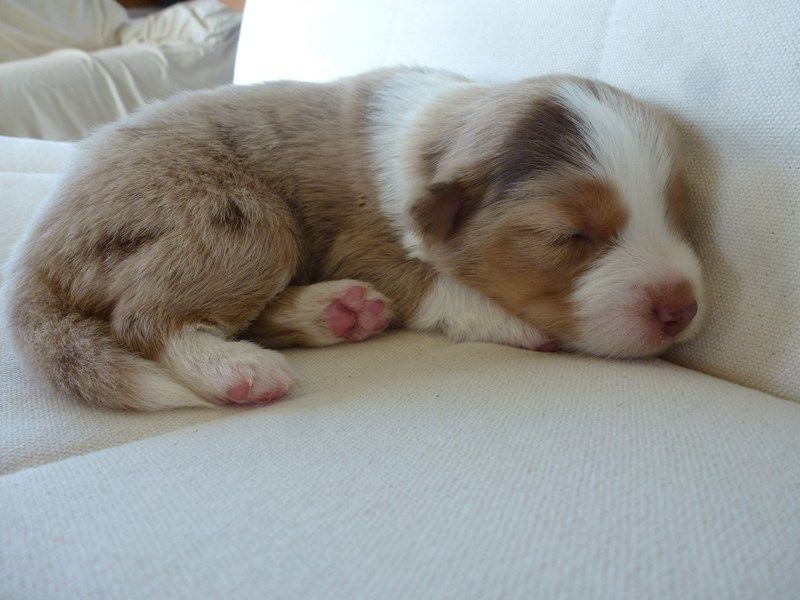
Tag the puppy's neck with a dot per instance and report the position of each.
(414, 117)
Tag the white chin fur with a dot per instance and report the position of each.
(611, 303)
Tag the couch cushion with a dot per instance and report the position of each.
(21, 196)
(21, 155)
(29, 171)
(467, 36)
(728, 72)
(38, 427)
(467, 470)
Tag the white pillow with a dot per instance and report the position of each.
(31, 28)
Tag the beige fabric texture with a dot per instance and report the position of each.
(727, 71)
(438, 471)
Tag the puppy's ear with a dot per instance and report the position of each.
(445, 205)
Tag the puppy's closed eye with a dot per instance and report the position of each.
(578, 238)
(566, 237)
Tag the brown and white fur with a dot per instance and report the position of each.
(191, 237)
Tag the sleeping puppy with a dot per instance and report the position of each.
(189, 238)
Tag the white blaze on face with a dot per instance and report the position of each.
(394, 113)
(612, 301)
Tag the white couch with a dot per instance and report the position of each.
(411, 467)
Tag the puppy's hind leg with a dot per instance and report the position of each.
(186, 294)
(322, 314)
(221, 371)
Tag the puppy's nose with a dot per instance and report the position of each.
(672, 306)
(674, 317)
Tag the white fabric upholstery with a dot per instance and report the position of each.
(29, 170)
(438, 471)
(727, 71)
(410, 467)
(75, 87)
(20, 155)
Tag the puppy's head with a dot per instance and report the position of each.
(563, 201)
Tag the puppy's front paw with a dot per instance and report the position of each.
(322, 314)
(357, 312)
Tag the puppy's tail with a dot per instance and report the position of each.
(80, 356)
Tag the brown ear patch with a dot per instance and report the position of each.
(436, 213)
(547, 137)
(445, 206)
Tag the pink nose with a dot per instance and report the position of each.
(673, 307)
(675, 318)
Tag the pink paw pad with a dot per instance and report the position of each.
(238, 393)
(242, 394)
(357, 314)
